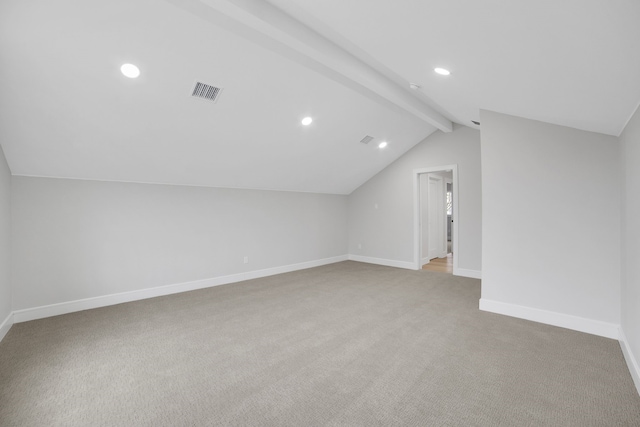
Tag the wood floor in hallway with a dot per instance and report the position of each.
(441, 265)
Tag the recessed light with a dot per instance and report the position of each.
(442, 71)
(307, 121)
(130, 70)
(382, 144)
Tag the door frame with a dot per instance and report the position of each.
(417, 256)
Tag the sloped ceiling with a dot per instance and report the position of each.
(66, 111)
(574, 63)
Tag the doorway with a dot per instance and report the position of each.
(449, 213)
(435, 218)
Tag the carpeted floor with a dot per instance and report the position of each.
(347, 344)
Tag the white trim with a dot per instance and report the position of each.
(123, 181)
(382, 261)
(106, 300)
(590, 326)
(425, 261)
(632, 362)
(6, 325)
(417, 258)
(474, 274)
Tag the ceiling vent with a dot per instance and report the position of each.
(367, 139)
(205, 91)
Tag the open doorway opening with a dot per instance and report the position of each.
(435, 218)
(449, 213)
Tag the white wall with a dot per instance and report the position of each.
(551, 223)
(630, 319)
(387, 232)
(78, 239)
(5, 243)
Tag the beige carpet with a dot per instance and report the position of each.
(347, 344)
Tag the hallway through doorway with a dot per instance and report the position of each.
(440, 265)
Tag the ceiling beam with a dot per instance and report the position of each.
(260, 22)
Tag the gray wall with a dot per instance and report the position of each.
(79, 239)
(387, 232)
(630, 155)
(551, 218)
(5, 239)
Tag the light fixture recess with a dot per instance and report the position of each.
(442, 71)
(307, 121)
(382, 144)
(130, 70)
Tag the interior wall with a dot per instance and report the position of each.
(78, 239)
(630, 318)
(5, 240)
(386, 232)
(551, 227)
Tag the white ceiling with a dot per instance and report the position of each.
(571, 62)
(66, 111)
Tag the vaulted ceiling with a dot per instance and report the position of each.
(67, 111)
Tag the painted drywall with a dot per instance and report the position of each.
(630, 316)
(5, 240)
(77, 239)
(381, 210)
(551, 220)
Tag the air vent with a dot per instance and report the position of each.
(367, 139)
(205, 91)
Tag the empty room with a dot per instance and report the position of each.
(319, 213)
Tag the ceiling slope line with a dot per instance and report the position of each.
(262, 23)
(330, 34)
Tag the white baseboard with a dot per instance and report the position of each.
(474, 274)
(6, 325)
(632, 362)
(382, 261)
(106, 300)
(590, 326)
